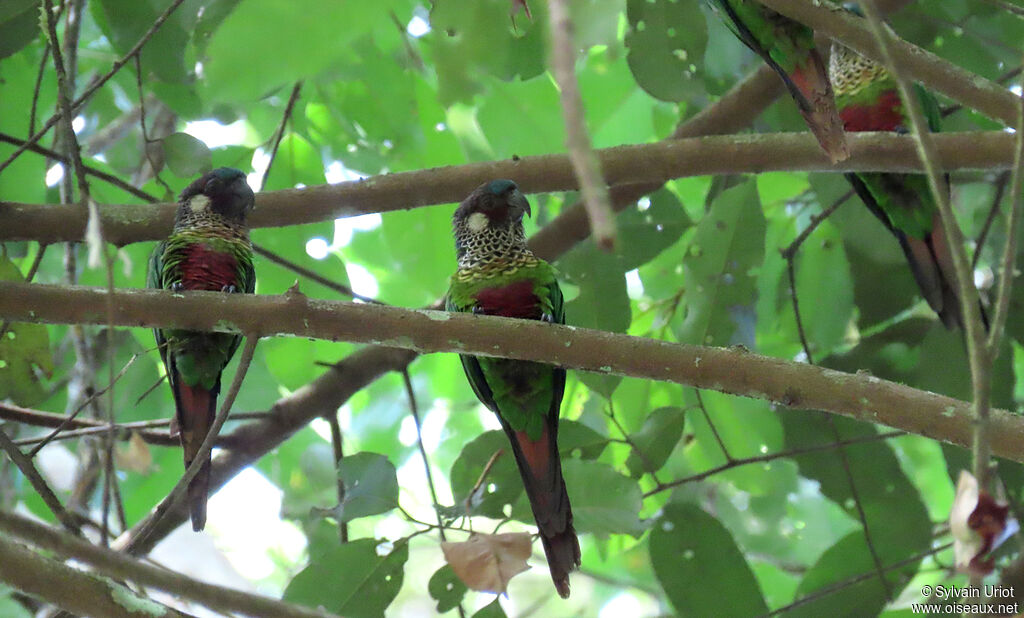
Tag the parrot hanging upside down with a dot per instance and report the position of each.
(499, 275)
(208, 249)
(788, 48)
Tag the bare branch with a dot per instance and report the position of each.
(730, 371)
(581, 153)
(623, 165)
(940, 75)
(38, 483)
(120, 566)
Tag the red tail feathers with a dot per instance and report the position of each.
(541, 470)
(818, 106)
(197, 407)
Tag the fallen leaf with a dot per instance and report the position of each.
(487, 562)
(979, 524)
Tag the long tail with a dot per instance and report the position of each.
(541, 470)
(811, 89)
(930, 261)
(196, 409)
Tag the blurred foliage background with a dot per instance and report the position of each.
(397, 85)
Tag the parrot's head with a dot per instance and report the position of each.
(223, 191)
(495, 206)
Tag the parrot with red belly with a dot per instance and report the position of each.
(788, 48)
(209, 249)
(869, 100)
(499, 275)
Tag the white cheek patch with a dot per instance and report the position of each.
(477, 222)
(198, 203)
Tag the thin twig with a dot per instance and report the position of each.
(92, 171)
(279, 134)
(37, 89)
(92, 88)
(628, 440)
(584, 161)
(1006, 275)
(414, 410)
(846, 583)
(997, 199)
(980, 362)
(70, 418)
(116, 565)
(38, 483)
(816, 220)
(313, 276)
(145, 133)
(204, 450)
(735, 463)
(714, 430)
(339, 453)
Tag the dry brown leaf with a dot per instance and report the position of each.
(487, 562)
(979, 524)
(135, 458)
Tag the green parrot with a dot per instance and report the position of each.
(788, 48)
(499, 275)
(209, 249)
(869, 100)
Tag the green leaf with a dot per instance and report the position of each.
(603, 501)
(882, 489)
(353, 579)
(371, 485)
(656, 439)
(719, 270)
(297, 163)
(18, 29)
(24, 349)
(573, 435)
(186, 156)
(10, 608)
(264, 45)
(126, 21)
(644, 232)
(491, 610)
(666, 41)
(700, 568)
(446, 588)
(501, 487)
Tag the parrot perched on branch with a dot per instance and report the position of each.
(869, 100)
(209, 249)
(499, 275)
(788, 48)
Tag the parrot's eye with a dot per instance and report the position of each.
(214, 185)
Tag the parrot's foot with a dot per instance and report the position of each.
(230, 289)
(177, 286)
(547, 317)
(477, 310)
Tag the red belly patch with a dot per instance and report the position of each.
(884, 115)
(205, 269)
(515, 300)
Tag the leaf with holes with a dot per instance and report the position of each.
(666, 41)
(371, 485)
(699, 566)
(446, 588)
(358, 578)
(24, 353)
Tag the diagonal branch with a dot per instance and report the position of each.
(940, 75)
(622, 165)
(119, 566)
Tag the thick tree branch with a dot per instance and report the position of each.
(622, 165)
(940, 75)
(83, 593)
(735, 372)
(119, 566)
